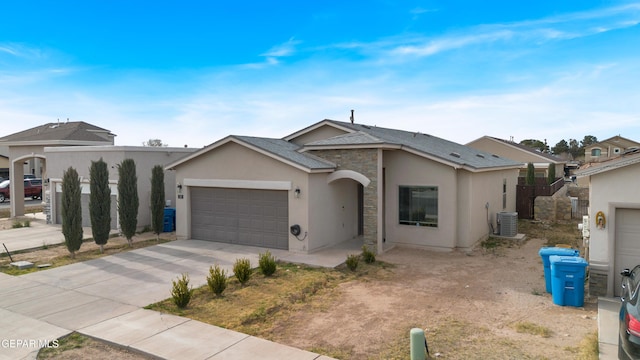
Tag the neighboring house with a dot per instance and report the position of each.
(4, 166)
(28, 146)
(523, 154)
(60, 159)
(609, 149)
(614, 221)
(335, 181)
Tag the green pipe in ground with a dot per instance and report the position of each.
(418, 349)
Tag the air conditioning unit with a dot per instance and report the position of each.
(508, 223)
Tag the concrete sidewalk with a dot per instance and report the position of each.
(103, 298)
(608, 314)
(37, 235)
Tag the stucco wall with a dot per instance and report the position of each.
(475, 192)
(59, 159)
(333, 211)
(232, 161)
(403, 168)
(609, 190)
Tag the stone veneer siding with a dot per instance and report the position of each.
(597, 283)
(364, 161)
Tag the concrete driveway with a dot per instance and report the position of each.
(103, 298)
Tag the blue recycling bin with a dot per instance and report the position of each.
(567, 273)
(169, 220)
(545, 252)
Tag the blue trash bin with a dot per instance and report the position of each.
(568, 273)
(545, 252)
(169, 220)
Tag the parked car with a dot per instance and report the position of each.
(629, 334)
(32, 188)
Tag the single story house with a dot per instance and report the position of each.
(521, 153)
(336, 181)
(28, 146)
(610, 148)
(614, 221)
(59, 159)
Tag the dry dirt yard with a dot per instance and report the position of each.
(487, 304)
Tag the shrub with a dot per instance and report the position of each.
(17, 224)
(267, 263)
(217, 280)
(352, 261)
(181, 291)
(367, 255)
(242, 270)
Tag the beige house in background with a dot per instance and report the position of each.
(523, 154)
(336, 181)
(28, 146)
(613, 242)
(609, 149)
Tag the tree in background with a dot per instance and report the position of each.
(536, 144)
(551, 177)
(588, 140)
(71, 211)
(561, 147)
(100, 203)
(157, 200)
(574, 149)
(154, 143)
(531, 174)
(128, 198)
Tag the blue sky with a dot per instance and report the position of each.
(192, 72)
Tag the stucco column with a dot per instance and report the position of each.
(17, 188)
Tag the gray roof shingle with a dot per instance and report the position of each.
(286, 150)
(429, 145)
(70, 131)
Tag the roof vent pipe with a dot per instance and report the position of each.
(352, 118)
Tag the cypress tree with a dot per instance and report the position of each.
(531, 174)
(71, 211)
(157, 200)
(128, 198)
(100, 203)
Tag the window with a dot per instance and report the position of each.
(616, 151)
(595, 152)
(418, 205)
(504, 194)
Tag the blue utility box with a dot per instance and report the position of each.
(545, 252)
(568, 273)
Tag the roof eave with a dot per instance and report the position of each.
(384, 146)
(54, 143)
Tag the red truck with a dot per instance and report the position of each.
(32, 189)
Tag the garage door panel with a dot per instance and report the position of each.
(240, 216)
(627, 243)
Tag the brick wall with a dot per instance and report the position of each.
(597, 283)
(364, 161)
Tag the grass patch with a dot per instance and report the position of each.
(62, 260)
(70, 342)
(527, 327)
(588, 348)
(553, 233)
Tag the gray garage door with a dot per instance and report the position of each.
(240, 216)
(627, 243)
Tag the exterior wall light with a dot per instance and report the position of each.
(296, 193)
